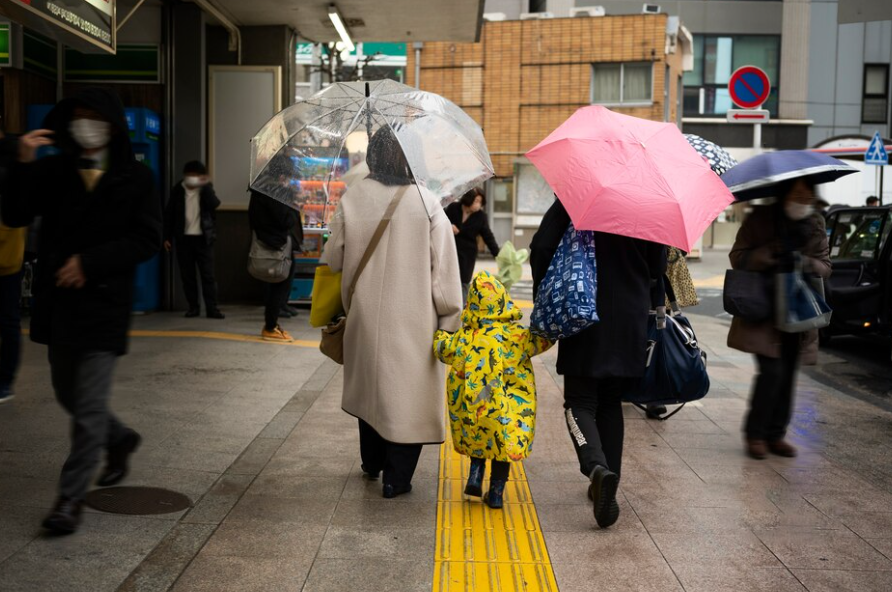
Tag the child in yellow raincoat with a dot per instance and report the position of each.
(491, 391)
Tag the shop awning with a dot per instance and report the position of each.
(367, 20)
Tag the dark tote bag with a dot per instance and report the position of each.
(749, 295)
(676, 366)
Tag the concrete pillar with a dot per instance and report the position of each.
(795, 41)
(188, 78)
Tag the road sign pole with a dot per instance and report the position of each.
(757, 138)
(882, 168)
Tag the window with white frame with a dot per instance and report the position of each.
(622, 84)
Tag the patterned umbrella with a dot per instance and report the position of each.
(718, 158)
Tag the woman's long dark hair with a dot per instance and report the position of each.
(386, 160)
(468, 198)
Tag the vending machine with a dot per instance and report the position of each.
(317, 209)
(144, 126)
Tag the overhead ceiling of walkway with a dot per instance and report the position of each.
(369, 20)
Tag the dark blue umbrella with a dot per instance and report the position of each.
(758, 177)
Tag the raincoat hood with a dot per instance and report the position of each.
(489, 302)
(103, 101)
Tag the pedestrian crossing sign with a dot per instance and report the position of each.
(876, 152)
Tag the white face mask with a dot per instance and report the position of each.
(192, 182)
(798, 211)
(90, 134)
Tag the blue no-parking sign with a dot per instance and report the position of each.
(749, 87)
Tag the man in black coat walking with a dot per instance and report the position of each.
(599, 362)
(190, 229)
(101, 217)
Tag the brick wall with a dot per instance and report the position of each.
(524, 78)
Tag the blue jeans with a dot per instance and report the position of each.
(10, 327)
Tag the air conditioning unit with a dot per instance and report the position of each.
(587, 11)
(495, 16)
(651, 9)
(529, 16)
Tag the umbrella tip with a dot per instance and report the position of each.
(367, 92)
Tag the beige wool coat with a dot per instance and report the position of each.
(409, 289)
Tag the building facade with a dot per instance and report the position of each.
(526, 77)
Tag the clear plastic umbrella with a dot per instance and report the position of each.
(309, 154)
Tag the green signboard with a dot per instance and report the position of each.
(78, 23)
(5, 58)
(132, 63)
(40, 54)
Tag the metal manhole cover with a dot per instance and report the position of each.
(137, 500)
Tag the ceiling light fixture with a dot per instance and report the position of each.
(338, 21)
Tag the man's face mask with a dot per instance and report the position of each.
(193, 181)
(90, 134)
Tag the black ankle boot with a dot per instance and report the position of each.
(494, 498)
(474, 487)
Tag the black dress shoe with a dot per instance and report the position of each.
(391, 491)
(192, 313)
(118, 455)
(655, 411)
(370, 474)
(285, 313)
(294, 312)
(216, 314)
(65, 517)
(602, 492)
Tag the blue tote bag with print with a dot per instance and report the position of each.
(567, 300)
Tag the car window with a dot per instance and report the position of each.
(858, 235)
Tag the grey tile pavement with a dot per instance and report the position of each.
(254, 435)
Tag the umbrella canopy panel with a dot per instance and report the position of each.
(759, 176)
(308, 154)
(629, 176)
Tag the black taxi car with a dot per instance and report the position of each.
(860, 288)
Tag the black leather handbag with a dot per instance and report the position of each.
(749, 295)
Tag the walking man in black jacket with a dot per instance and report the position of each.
(189, 227)
(101, 217)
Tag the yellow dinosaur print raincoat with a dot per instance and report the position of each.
(490, 390)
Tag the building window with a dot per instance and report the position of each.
(875, 103)
(715, 59)
(622, 84)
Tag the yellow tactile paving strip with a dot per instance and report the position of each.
(481, 550)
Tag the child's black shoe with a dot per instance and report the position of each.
(474, 487)
(495, 496)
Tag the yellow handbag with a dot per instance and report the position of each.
(326, 298)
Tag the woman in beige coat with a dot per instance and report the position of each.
(410, 288)
(765, 243)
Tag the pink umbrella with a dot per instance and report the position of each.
(633, 177)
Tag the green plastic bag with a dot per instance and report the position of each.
(511, 262)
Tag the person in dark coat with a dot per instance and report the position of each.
(765, 243)
(468, 222)
(12, 254)
(599, 362)
(190, 228)
(101, 217)
(273, 222)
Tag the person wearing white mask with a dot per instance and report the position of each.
(101, 217)
(189, 229)
(766, 243)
